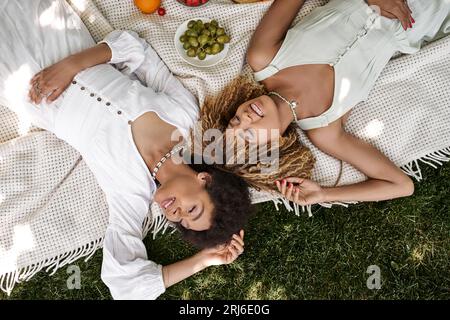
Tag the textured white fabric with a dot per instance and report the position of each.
(406, 116)
(359, 44)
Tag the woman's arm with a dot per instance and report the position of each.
(386, 180)
(53, 80)
(270, 32)
(225, 254)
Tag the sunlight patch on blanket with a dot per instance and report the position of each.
(16, 87)
(373, 129)
(22, 241)
(80, 5)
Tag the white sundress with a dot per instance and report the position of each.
(357, 42)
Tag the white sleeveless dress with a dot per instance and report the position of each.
(358, 42)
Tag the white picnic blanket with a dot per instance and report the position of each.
(52, 211)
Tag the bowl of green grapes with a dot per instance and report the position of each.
(202, 42)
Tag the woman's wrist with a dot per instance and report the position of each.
(202, 259)
(327, 194)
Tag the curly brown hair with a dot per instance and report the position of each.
(295, 160)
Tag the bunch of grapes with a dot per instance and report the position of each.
(201, 39)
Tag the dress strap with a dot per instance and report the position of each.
(314, 122)
(265, 73)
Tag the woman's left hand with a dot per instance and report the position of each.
(395, 9)
(53, 80)
(301, 191)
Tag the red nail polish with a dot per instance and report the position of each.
(414, 21)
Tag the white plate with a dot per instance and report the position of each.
(210, 60)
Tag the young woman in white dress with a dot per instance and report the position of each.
(312, 75)
(122, 124)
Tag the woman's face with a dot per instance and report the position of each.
(185, 200)
(256, 119)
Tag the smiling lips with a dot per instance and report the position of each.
(167, 203)
(256, 109)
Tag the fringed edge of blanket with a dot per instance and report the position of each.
(412, 169)
(10, 279)
(159, 224)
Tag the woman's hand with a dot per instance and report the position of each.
(301, 191)
(395, 9)
(224, 254)
(52, 81)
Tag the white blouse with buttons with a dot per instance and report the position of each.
(94, 116)
(357, 42)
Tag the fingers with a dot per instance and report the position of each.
(233, 251)
(402, 16)
(386, 14)
(236, 245)
(54, 95)
(402, 12)
(295, 180)
(238, 239)
(289, 191)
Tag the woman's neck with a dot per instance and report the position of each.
(285, 113)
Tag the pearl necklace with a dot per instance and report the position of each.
(163, 159)
(292, 104)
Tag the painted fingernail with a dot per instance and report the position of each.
(414, 21)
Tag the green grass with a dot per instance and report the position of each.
(324, 257)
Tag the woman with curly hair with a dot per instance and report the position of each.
(119, 106)
(312, 75)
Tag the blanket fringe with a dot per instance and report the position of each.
(433, 159)
(157, 223)
(8, 280)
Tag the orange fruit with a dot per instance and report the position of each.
(147, 6)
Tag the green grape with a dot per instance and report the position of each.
(212, 29)
(220, 31)
(183, 38)
(193, 42)
(215, 48)
(191, 24)
(191, 52)
(201, 55)
(208, 50)
(214, 23)
(186, 45)
(203, 39)
(206, 32)
(192, 33)
(223, 39)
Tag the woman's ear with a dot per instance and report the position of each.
(204, 178)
